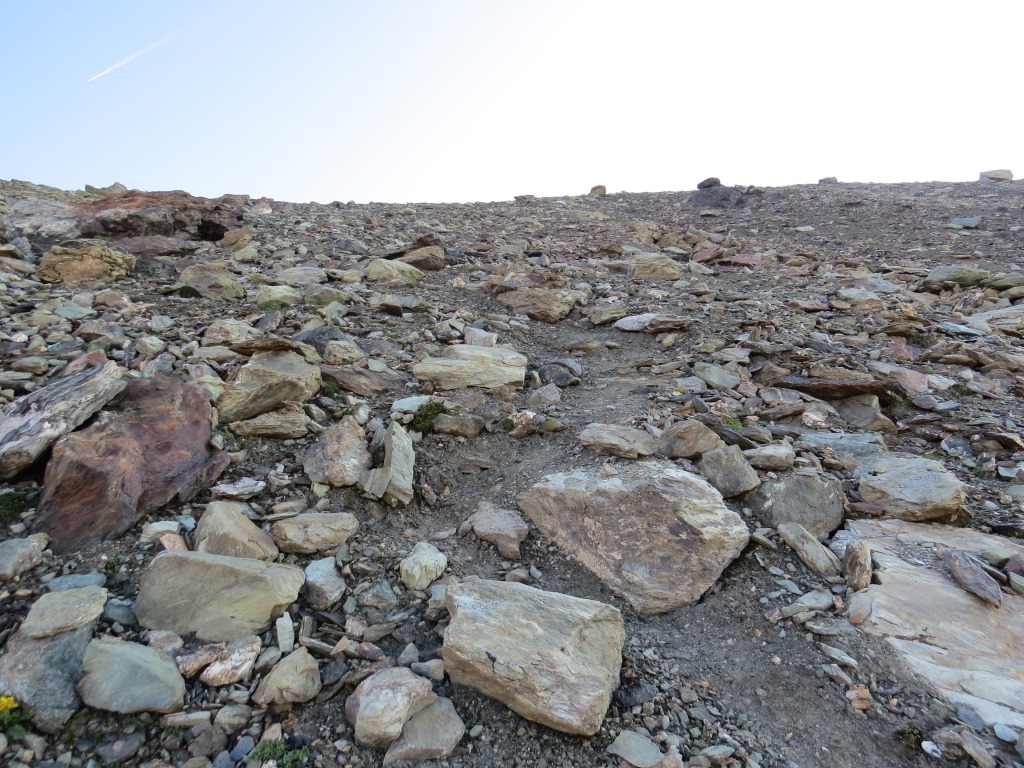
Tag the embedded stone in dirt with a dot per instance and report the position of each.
(296, 678)
(552, 658)
(150, 447)
(548, 305)
(656, 534)
(209, 282)
(811, 552)
(815, 501)
(421, 566)
(430, 734)
(57, 612)
(212, 596)
(339, 457)
(503, 528)
(618, 440)
(313, 532)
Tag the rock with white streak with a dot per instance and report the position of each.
(384, 702)
(236, 664)
(551, 658)
(20, 555)
(472, 366)
(422, 566)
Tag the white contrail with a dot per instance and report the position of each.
(134, 56)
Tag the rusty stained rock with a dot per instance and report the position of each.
(150, 447)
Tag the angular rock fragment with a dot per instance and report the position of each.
(128, 677)
(546, 304)
(225, 529)
(384, 702)
(430, 734)
(267, 382)
(209, 282)
(314, 532)
(392, 481)
(856, 562)
(294, 679)
(422, 566)
(325, 585)
(552, 658)
(815, 501)
(150, 447)
(813, 554)
(972, 577)
(31, 424)
(618, 440)
(688, 440)
(339, 457)
(655, 534)
(912, 488)
(212, 596)
(503, 528)
(729, 471)
(84, 263)
(652, 322)
(20, 555)
(58, 612)
(470, 366)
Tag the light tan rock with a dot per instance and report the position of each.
(209, 282)
(20, 555)
(728, 470)
(811, 552)
(294, 679)
(234, 665)
(392, 481)
(912, 488)
(552, 658)
(84, 264)
(503, 528)
(968, 649)
(339, 457)
(471, 366)
(225, 529)
(384, 702)
(618, 440)
(422, 566)
(655, 266)
(430, 257)
(313, 532)
(212, 596)
(688, 440)
(546, 304)
(430, 734)
(56, 612)
(654, 533)
(392, 272)
(284, 425)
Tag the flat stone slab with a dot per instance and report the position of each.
(128, 677)
(654, 533)
(212, 596)
(57, 612)
(912, 488)
(970, 650)
(470, 366)
(552, 658)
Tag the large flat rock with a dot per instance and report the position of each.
(552, 658)
(470, 366)
(656, 534)
(214, 597)
(912, 488)
(970, 650)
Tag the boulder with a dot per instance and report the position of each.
(392, 272)
(618, 440)
(148, 448)
(652, 322)
(32, 423)
(655, 266)
(688, 440)
(225, 529)
(212, 596)
(209, 282)
(314, 532)
(384, 702)
(430, 257)
(655, 534)
(267, 382)
(294, 679)
(86, 263)
(912, 488)
(471, 366)
(339, 457)
(551, 658)
(127, 677)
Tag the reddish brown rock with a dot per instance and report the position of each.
(149, 447)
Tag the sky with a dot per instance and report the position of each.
(480, 100)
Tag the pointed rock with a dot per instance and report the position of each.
(225, 529)
(267, 382)
(729, 471)
(294, 679)
(972, 577)
(384, 702)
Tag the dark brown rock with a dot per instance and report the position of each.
(150, 447)
(834, 389)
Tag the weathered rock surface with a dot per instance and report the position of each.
(58, 612)
(430, 734)
(815, 501)
(31, 424)
(225, 529)
(128, 677)
(625, 442)
(548, 305)
(969, 649)
(813, 554)
(384, 702)
(313, 532)
(688, 439)
(20, 555)
(325, 586)
(469, 366)
(912, 489)
(339, 457)
(503, 528)
(551, 658)
(422, 565)
(209, 282)
(656, 534)
(296, 678)
(85, 263)
(212, 596)
(148, 448)
(392, 481)
(267, 382)
(728, 470)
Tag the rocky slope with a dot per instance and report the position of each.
(724, 477)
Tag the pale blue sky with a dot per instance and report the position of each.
(451, 100)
